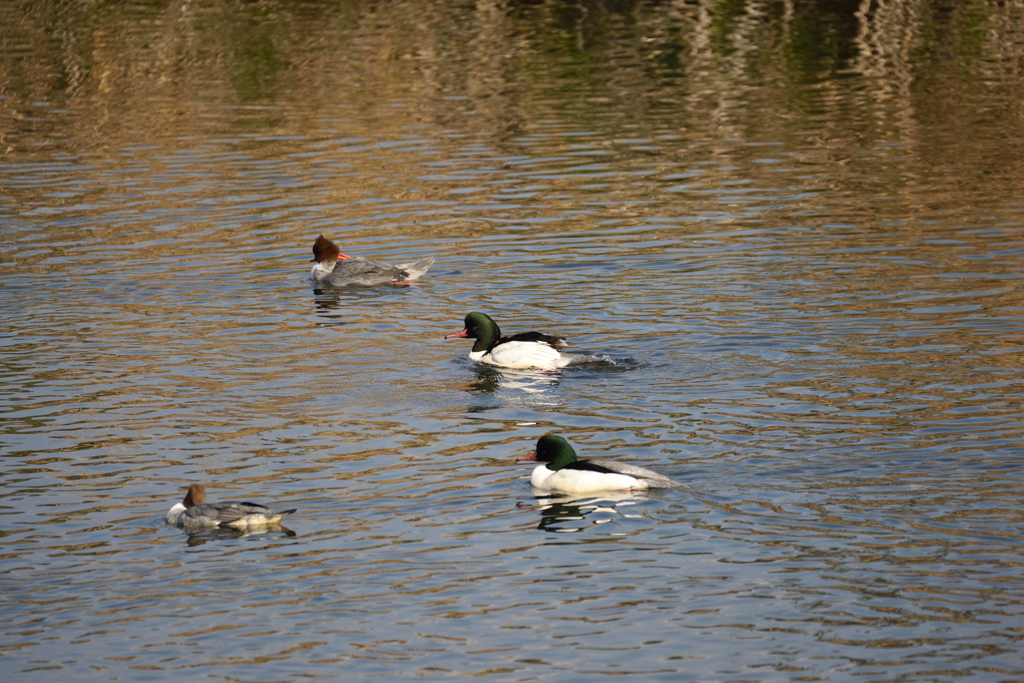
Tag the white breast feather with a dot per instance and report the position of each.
(175, 513)
(525, 355)
(320, 270)
(581, 481)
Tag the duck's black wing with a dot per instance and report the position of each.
(540, 337)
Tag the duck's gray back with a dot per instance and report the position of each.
(653, 479)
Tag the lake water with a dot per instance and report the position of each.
(793, 235)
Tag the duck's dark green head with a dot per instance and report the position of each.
(479, 326)
(553, 450)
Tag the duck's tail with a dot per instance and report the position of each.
(416, 269)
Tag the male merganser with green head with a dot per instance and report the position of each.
(337, 270)
(195, 514)
(523, 350)
(564, 472)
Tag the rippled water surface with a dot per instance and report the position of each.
(793, 236)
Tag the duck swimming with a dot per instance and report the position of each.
(523, 350)
(195, 514)
(566, 473)
(338, 270)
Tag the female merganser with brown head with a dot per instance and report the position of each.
(338, 270)
(195, 514)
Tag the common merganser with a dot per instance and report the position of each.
(194, 513)
(565, 473)
(523, 350)
(338, 270)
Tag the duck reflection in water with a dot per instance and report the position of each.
(225, 533)
(488, 379)
(568, 514)
(334, 298)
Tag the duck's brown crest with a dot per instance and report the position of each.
(325, 250)
(196, 495)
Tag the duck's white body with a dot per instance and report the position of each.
(582, 481)
(520, 351)
(563, 471)
(523, 354)
(194, 514)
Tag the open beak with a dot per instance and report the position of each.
(528, 457)
(464, 333)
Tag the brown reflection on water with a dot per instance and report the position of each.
(689, 109)
(705, 71)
